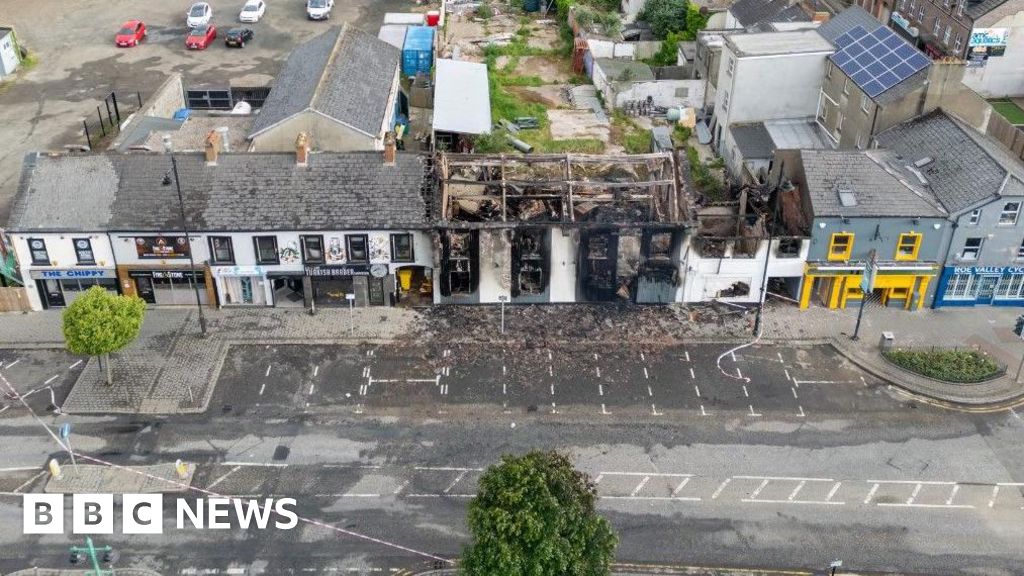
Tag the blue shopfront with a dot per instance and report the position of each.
(980, 285)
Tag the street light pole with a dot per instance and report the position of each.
(184, 228)
(502, 299)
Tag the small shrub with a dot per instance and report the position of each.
(961, 366)
(484, 11)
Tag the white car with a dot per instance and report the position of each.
(199, 14)
(252, 11)
(319, 9)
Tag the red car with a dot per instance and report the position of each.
(200, 37)
(131, 33)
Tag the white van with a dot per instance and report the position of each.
(319, 9)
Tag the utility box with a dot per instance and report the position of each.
(887, 341)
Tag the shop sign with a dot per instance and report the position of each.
(72, 274)
(902, 22)
(337, 271)
(989, 37)
(161, 247)
(164, 274)
(988, 270)
(238, 270)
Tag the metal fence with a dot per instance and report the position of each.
(109, 114)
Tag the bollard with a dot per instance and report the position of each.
(55, 468)
(181, 468)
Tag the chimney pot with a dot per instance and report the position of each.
(390, 149)
(302, 149)
(212, 148)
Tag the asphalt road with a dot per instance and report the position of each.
(863, 475)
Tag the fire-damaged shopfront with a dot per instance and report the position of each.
(558, 228)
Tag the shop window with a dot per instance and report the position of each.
(266, 250)
(961, 287)
(908, 246)
(788, 248)
(972, 248)
(1011, 287)
(972, 220)
(840, 246)
(529, 262)
(83, 251)
(1008, 217)
(312, 249)
(357, 251)
(40, 257)
(401, 248)
(221, 251)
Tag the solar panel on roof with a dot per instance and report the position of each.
(878, 60)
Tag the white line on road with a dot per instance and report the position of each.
(640, 486)
(549, 356)
(871, 494)
(789, 478)
(604, 411)
(794, 392)
(446, 469)
(75, 365)
(787, 374)
(11, 365)
(913, 495)
(928, 482)
(551, 371)
(952, 494)
(832, 492)
(504, 370)
(311, 389)
(595, 355)
(654, 498)
(802, 415)
(687, 352)
(402, 487)
(600, 390)
(745, 393)
(752, 413)
(259, 464)
(262, 388)
(316, 370)
(552, 389)
(598, 371)
(718, 491)
(992, 500)
(267, 374)
(456, 481)
(651, 474)
(764, 483)
(780, 357)
(692, 375)
(504, 389)
(642, 357)
(654, 411)
(553, 410)
(649, 391)
(19, 469)
(223, 477)
(738, 373)
(792, 495)
(899, 505)
(825, 502)
(733, 354)
(29, 481)
(681, 485)
(697, 390)
(702, 412)
(646, 375)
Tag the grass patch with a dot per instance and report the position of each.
(1009, 110)
(961, 366)
(626, 133)
(703, 177)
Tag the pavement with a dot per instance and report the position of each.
(96, 479)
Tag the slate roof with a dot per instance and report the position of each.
(243, 192)
(751, 12)
(343, 73)
(753, 140)
(966, 168)
(879, 193)
(845, 21)
(975, 10)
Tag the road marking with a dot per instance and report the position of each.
(738, 373)
(363, 389)
(927, 482)
(745, 393)
(651, 474)
(444, 389)
(899, 505)
(504, 370)
(863, 381)
(692, 375)
(792, 495)
(456, 481)
(759, 488)
(794, 392)
(790, 478)
(504, 389)
(640, 486)
(654, 498)
(316, 370)
(262, 388)
(551, 371)
(913, 495)
(598, 371)
(600, 390)
(649, 391)
(687, 352)
(223, 477)
(992, 500)
(733, 354)
(697, 390)
(549, 356)
(11, 365)
(552, 389)
(642, 358)
(267, 373)
(75, 365)
(702, 412)
(718, 491)
(402, 487)
(446, 469)
(871, 494)
(780, 357)
(802, 415)
(603, 411)
(595, 355)
(553, 410)
(654, 411)
(646, 375)
(823, 502)
(257, 464)
(598, 479)
(359, 409)
(311, 389)
(235, 571)
(1014, 412)
(787, 374)
(752, 413)
(52, 378)
(952, 495)
(366, 371)
(832, 492)
(29, 481)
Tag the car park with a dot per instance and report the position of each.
(131, 33)
(252, 11)
(319, 9)
(199, 14)
(200, 37)
(237, 37)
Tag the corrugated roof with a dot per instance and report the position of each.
(250, 192)
(343, 73)
(462, 100)
(855, 173)
(845, 21)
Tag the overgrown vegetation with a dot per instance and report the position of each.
(625, 132)
(679, 16)
(607, 23)
(667, 54)
(484, 11)
(961, 366)
(703, 177)
(680, 134)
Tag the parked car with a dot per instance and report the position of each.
(252, 11)
(319, 9)
(200, 37)
(198, 15)
(237, 37)
(131, 33)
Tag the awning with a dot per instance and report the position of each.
(462, 101)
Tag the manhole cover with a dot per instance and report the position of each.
(281, 453)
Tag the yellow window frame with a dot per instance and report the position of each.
(911, 240)
(836, 241)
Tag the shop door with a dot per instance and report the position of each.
(376, 289)
(986, 288)
(51, 293)
(144, 288)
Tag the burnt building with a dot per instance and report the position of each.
(558, 228)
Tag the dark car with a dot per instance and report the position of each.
(238, 37)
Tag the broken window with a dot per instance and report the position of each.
(788, 248)
(529, 261)
(659, 246)
(459, 268)
(735, 290)
(600, 262)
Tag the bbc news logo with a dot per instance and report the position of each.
(144, 513)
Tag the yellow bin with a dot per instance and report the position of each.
(405, 279)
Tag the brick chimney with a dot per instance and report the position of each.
(212, 148)
(390, 149)
(302, 149)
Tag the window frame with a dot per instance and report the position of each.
(920, 13)
(730, 66)
(839, 123)
(845, 255)
(1015, 213)
(974, 217)
(959, 41)
(351, 253)
(977, 249)
(1020, 251)
(259, 254)
(915, 247)
(78, 252)
(32, 252)
(394, 250)
(846, 86)
(725, 100)
(214, 259)
(305, 251)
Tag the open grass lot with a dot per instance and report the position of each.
(1009, 110)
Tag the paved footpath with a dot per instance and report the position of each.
(172, 369)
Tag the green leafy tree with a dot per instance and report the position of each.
(665, 16)
(98, 323)
(534, 516)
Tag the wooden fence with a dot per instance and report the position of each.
(1008, 135)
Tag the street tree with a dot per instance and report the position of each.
(534, 515)
(98, 323)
